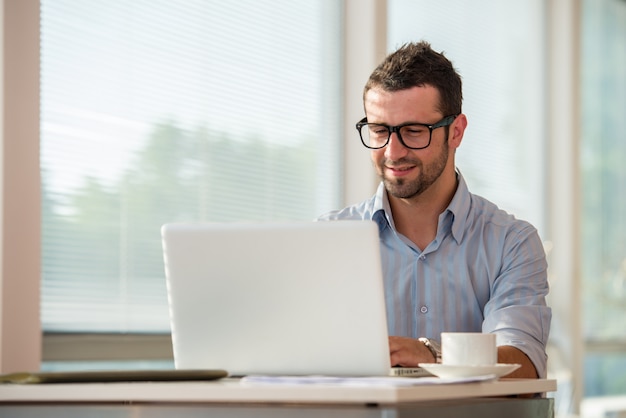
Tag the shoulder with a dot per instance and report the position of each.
(364, 210)
(478, 219)
(503, 232)
(490, 215)
(360, 211)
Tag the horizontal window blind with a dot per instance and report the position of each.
(155, 111)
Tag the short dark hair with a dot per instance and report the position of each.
(416, 65)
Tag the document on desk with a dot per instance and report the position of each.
(360, 381)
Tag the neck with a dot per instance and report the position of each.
(417, 218)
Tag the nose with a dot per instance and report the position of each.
(395, 149)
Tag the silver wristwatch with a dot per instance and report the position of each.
(433, 346)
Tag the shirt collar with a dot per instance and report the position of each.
(382, 209)
(459, 209)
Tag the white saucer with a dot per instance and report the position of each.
(447, 371)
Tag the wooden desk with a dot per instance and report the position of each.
(229, 398)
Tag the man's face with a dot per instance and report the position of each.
(407, 173)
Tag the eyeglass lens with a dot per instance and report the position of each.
(413, 136)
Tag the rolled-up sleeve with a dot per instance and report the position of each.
(517, 311)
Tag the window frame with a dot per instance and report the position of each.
(562, 195)
(20, 260)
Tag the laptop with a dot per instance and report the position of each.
(290, 298)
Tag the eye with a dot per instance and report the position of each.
(414, 130)
(378, 130)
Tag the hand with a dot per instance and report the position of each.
(408, 352)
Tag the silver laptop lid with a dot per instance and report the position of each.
(277, 298)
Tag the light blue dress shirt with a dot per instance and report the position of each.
(485, 271)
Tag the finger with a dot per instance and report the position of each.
(403, 358)
(398, 343)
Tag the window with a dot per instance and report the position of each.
(603, 191)
(160, 111)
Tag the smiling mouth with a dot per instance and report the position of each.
(399, 170)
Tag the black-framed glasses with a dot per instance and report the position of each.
(411, 135)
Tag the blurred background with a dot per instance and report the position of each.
(155, 111)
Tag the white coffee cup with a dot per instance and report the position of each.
(468, 349)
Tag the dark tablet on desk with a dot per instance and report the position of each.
(96, 376)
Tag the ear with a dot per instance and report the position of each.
(457, 129)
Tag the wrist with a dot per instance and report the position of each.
(433, 346)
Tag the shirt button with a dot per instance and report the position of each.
(424, 309)
(422, 257)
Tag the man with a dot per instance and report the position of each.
(452, 260)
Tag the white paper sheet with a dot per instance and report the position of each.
(360, 381)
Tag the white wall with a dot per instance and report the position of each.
(365, 46)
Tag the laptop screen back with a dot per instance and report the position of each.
(277, 298)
